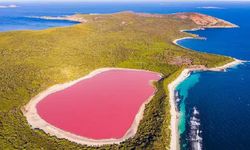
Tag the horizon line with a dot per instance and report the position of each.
(119, 1)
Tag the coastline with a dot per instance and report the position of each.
(36, 122)
(202, 28)
(183, 38)
(73, 18)
(174, 142)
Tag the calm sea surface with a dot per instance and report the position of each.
(215, 107)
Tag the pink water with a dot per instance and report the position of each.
(100, 107)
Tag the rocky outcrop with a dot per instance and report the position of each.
(205, 20)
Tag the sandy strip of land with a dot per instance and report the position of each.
(36, 122)
(183, 38)
(73, 18)
(174, 145)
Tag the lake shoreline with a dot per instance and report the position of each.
(36, 122)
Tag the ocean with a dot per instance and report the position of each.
(214, 106)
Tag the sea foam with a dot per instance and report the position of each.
(195, 131)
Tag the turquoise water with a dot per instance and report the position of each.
(214, 107)
(222, 100)
(183, 89)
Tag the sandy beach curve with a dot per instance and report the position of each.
(36, 122)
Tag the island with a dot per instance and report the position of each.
(33, 61)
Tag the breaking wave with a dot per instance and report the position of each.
(195, 131)
(177, 97)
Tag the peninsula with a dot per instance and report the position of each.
(33, 61)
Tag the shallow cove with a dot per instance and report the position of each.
(103, 106)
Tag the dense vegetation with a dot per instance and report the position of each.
(31, 61)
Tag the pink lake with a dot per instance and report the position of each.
(101, 107)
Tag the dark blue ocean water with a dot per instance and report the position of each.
(215, 104)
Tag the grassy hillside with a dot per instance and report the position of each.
(31, 61)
